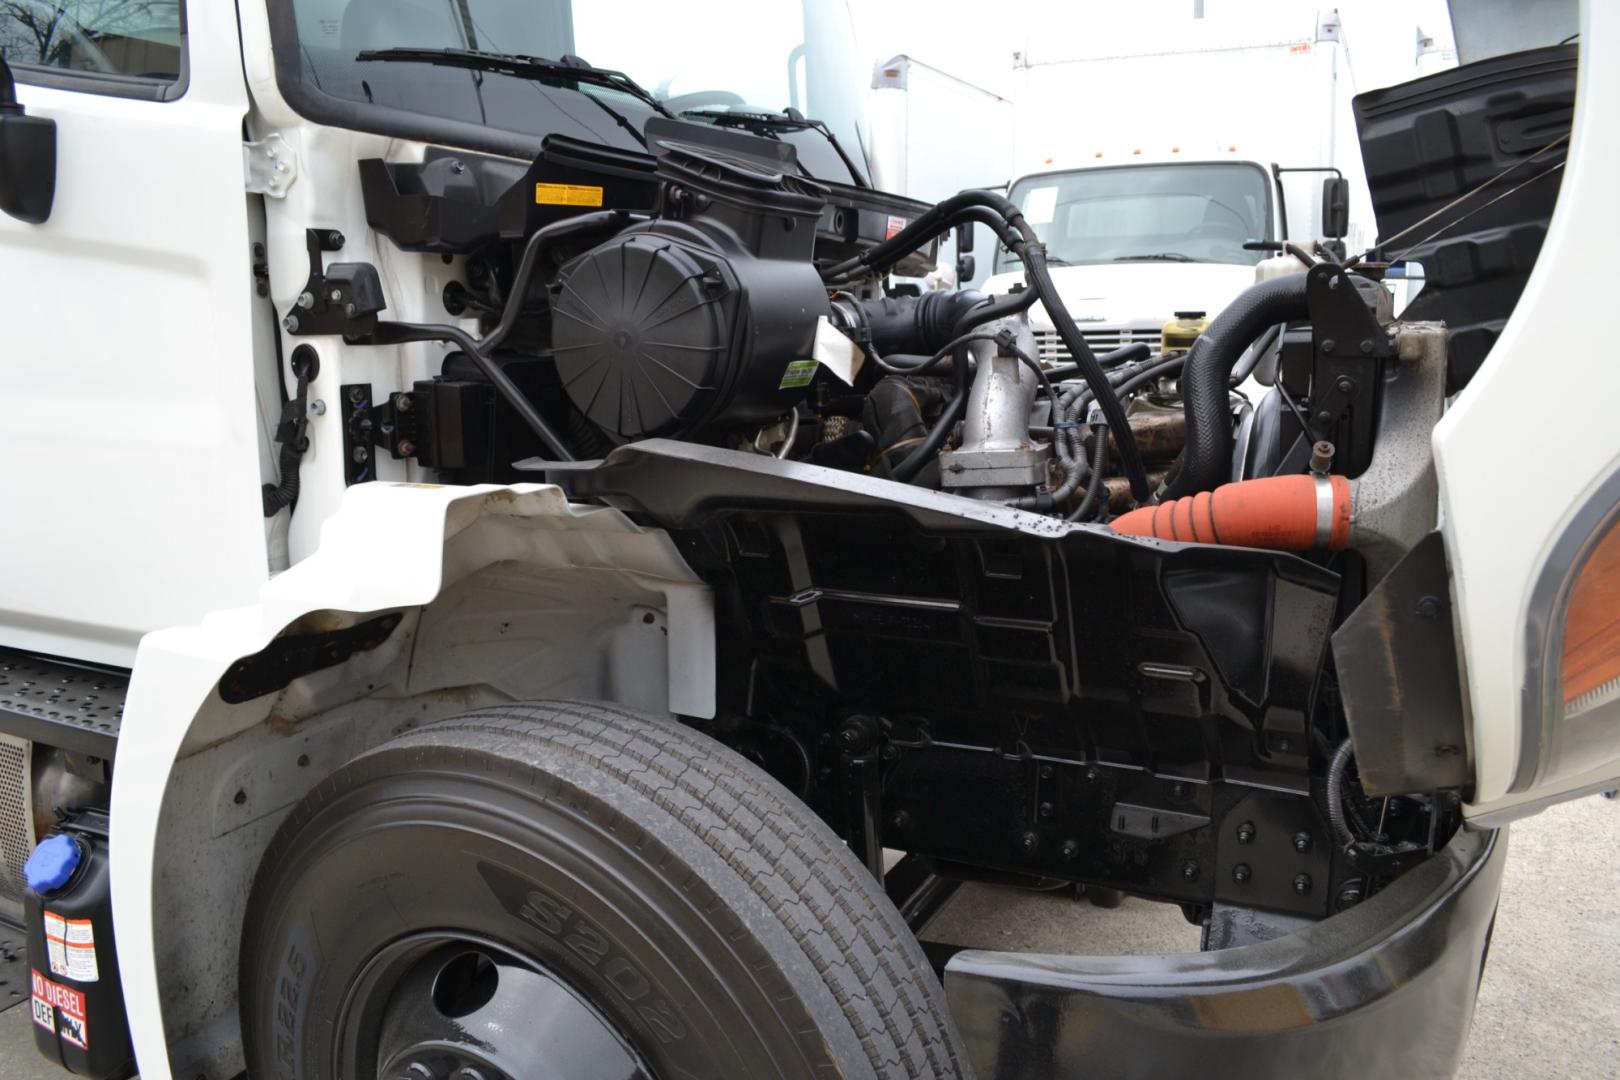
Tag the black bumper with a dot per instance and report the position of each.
(1384, 989)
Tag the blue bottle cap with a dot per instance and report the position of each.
(52, 863)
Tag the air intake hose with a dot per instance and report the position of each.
(1207, 460)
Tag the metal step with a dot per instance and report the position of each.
(61, 704)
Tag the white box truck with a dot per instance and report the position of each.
(1152, 177)
(922, 118)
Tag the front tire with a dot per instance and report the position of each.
(575, 890)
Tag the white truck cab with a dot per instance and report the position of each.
(1134, 243)
(488, 572)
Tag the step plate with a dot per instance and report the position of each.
(63, 705)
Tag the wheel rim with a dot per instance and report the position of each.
(455, 1007)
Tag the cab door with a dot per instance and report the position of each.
(1529, 465)
(129, 440)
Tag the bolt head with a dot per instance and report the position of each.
(361, 455)
(1428, 607)
(406, 448)
(1345, 386)
(1070, 849)
(317, 407)
(1328, 345)
(349, 310)
(1245, 833)
(335, 295)
(1046, 772)
(1046, 810)
(1302, 842)
(1366, 345)
(290, 324)
(1029, 841)
(1189, 870)
(306, 300)
(1302, 884)
(1241, 873)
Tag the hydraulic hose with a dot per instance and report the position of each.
(1206, 379)
(1099, 463)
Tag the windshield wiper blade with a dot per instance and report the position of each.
(769, 123)
(1158, 256)
(568, 68)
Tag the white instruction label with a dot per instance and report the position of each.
(70, 945)
(1040, 204)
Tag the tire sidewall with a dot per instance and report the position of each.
(475, 845)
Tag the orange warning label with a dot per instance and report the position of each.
(567, 195)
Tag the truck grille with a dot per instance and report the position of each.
(1102, 339)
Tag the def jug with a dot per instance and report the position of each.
(77, 1001)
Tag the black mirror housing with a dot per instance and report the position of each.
(965, 268)
(1335, 208)
(27, 157)
(964, 238)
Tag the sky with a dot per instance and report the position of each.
(961, 37)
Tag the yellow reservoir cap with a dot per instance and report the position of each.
(1180, 332)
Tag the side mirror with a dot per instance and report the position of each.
(1335, 207)
(964, 238)
(965, 267)
(27, 157)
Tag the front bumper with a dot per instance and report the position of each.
(1386, 988)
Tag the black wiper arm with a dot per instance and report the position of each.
(1159, 256)
(568, 68)
(769, 123)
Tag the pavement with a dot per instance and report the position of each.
(1549, 1005)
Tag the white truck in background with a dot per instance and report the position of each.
(1109, 188)
(921, 118)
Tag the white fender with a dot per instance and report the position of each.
(179, 883)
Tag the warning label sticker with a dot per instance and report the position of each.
(893, 226)
(71, 947)
(53, 1002)
(567, 195)
(798, 373)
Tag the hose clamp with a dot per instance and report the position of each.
(1324, 510)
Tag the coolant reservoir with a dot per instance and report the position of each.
(1180, 332)
(1276, 266)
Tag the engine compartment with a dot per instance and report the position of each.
(1047, 619)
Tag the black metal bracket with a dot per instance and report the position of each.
(394, 425)
(343, 298)
(296, 655)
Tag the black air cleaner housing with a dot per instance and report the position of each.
(705, 317)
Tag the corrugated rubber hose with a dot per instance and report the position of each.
(1205, 382)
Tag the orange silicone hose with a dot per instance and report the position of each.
(1279, 512)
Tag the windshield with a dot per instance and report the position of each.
(740, 56)
(1148, 213)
